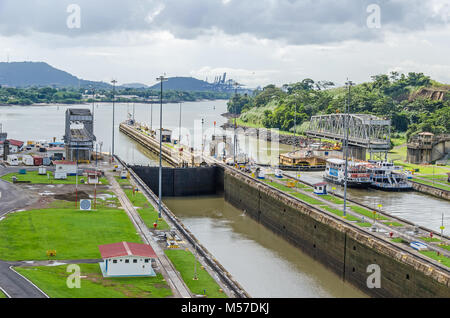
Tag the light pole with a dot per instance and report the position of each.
(236, 85)
(161, 79)
(349, 85)
(179, 128)
(113, 113)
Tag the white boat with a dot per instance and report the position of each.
(386, 176)
(357, 173)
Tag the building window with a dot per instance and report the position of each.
(135, 261)
(147, 260)
(127, 261)
(115, 261)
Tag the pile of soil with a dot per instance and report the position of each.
(72, 197)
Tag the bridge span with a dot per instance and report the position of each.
(365, 132)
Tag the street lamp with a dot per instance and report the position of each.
(114, 107)
(179, 128)
(349, 85)
(160, 79)
(236, 85)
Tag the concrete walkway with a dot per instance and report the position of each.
(167, 270)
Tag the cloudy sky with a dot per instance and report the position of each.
(257, 42)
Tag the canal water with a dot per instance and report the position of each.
(262, 262)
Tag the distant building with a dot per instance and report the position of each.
(127, 260)
(68, 167)
(79, 141)
(427, 148)
(320, 188)
(15, 146)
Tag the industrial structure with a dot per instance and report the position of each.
(79, 138)
(365, 133)
(427, 148)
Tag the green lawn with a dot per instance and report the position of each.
(430, 183)
(340, 213)
(74, 234)
(2, 295)
(306, 198)
(184, 262)
(394, 224)
(364, 224)
(149, 216)
(52, 280)
(398, 240)
(429, 239)
(441, 258)
(333, 199)
(424, 169)
(367, 213)
(34, 177)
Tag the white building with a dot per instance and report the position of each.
(15, 146)
(127, 259)
(68, 167)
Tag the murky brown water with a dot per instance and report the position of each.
(262, 262)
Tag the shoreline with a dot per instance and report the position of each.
(284, 139)
(110, 102)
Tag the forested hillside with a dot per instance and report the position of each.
(414, 102)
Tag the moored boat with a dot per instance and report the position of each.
(357, 173)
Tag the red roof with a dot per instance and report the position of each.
(126, 249)
(320, 184)
(64, 162)
(14, 142)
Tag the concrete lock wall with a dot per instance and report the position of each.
(182, 181)
(341, 248)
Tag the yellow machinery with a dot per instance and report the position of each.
(291, 183)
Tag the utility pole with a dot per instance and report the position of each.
(179, 128)
(161, 79)
(113, 114)
(93, 102)
(349, 85)
(203, 140)
(236, 85)
(295, 124)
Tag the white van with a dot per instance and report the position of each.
(28, 160)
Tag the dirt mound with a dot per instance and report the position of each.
(431, 93)
(72, 196)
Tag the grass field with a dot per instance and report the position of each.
(74, 234)
(35, 178)
(2, 295)
(184, 262)
(367, 213)
(341, 213)
(430, 183)
(424, 169)
(442, 259)
(333, 199)
(52, 280)
(147, 212)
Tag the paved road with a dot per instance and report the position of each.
(11, 196)
(15, 285)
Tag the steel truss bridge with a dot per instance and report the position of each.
(365, 131)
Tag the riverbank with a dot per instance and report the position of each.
(283, 137)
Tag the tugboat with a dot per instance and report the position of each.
(357, 173)
(384, 177)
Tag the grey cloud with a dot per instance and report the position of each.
(294, 21)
